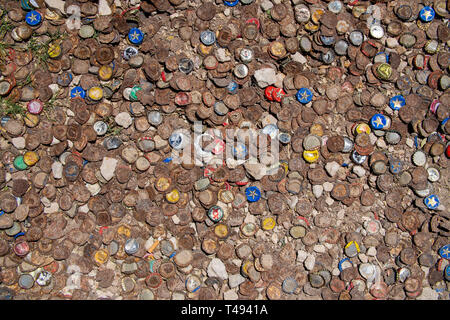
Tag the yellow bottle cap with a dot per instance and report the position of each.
(54, 50)
(362, 127)
(105, 73)
(162, 184)
(221, 230)
(311, 26)
(124, 230)
(311, 155)
(173, 196)
(31, 120)
(268, 223)
(95, 93)
(30, 158)
(316, 15)
(101, 256)
(245, 267)
(205, 50)
(316, 129)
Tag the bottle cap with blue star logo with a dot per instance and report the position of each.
(432, 201)
(240, 151)
(427, 14)
(135, 36)
(444, 251)
(397, 102)
(33, 18)
(253, 194)
(447, 272)
(378, 121)
(304, 95)
(77, 92)
(230, 3)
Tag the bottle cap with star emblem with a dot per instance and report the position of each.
(432, 201)
(230, 3)
(78, 92)
(427, 14)
(379, 121)
(135, 36)
(397, 102)
(304, 95)
(33, 18)
(253, 194)
(444, 251)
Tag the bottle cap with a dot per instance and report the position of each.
(33, 18)
(432, 201)
(35, 106)
(427, 14)
(304, 95)
(253, 194)
(77, 92)
(397, 102)
(207, 37)
(215, 213)
(135, 36)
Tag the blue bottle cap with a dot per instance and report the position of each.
(432, 201)
(253, 194)
(427, 14)
(378, 121)
(230, 3)
(447, 272)
(240, 151)
(135, 36)
(395, 166)
(444, 252)
(77, 92)
(64, 79)
(207, 37)
(397, 102)
(271, 130)
(284, 137)
(33, 18)
(176, 140)
(232, 87)
(304, 95)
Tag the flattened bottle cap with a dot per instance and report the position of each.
(311, 155)
(240, 152)
(268, 223)
(95, 93)
(433, 174)
(284, 137)
(246, 55)
(444, 251)
(397, 102)
(341, 47)
(427, 14)
(35, 106)
(253, 194)
(419, 158)
(100, 128)
(131, 246)
(44, 278)
(101, 256)
(352, 249)
(105, 72)
(335, 6)
(230, 3)
(393, 137)
(384, 71)
(377, 31)
(221, 230)
(207, 37)
(19, 164)
(268, 92)
(186, 65)
(129, 52)
(26, 281)
(304, 95)
(30, 158)
(248, 229)
(177, 140)
(33, 18)
(432, 201)
(154, 117)
(215, 213)
(367, 270)
(240, 71)
(379, 121)
(289, 285)
(312, 142)
(77, 92)
(395, 166)
(173, 196)
(135, 36)
(356, 38)
(64, 79)
(278, 94)
(357, 158)
(54, 50)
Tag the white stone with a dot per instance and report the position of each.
(359, 171)
(317, 190)
(108, 167)
(335, 272)
(94, 189)
(310, 262)
(103, 8)
(266, 5)
(428, 294)
(279, 80)
(371, 252)
(381, 143)
(124, 119)
(274, 238)
(319, 248)
(18, 142)
(256, 170)
(298, 57)
(409, 142)
(265, 77)
(327, 186)
(268, 119)
(52, 208)
(223, 55)
(392, 42)
(216, 268)
(363, 257)
(235, 280)
(329, 201)
(56, 4)
(227, 12)
(332, 168)
(175, 219)
(230, 295)
(160, 143)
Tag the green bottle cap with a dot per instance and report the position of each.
(19, 164)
